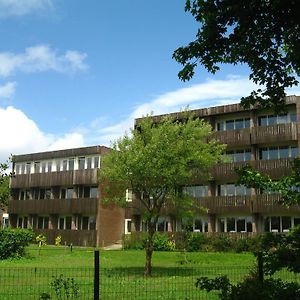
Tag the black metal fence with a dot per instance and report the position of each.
(116, 283)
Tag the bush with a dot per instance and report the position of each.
(195, 242)
(250, 288)
(14, 241)
(134, 241)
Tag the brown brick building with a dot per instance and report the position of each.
(266, 141)
(58, 193)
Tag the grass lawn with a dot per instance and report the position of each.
(174, 273)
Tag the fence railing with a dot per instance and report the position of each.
(117, 283)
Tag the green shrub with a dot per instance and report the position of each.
(134, 241)
(196, 242)
(162, 242)
(220, 243)
(14, 241)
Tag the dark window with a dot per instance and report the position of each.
(229, 124)
(296, 221)
(239, 124)
(198, 224)
(49, 166)
(241, 224)
(63, 193)
(28, 168)
(65, 164)
(85, 223)
(220, 126)
(275, 224)
(58, 164)
(71, 164)
(46, 222)
(222, 224)
(81, 163)
(96, 162)
(40, 222)
(231, 224)
(89, 163)
(61, 223)
(68, 222)
(47, 194)
(286, 223)
(92, 221)
(86, 192)
(42, 193)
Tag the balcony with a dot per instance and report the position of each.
(227, 204)
(64, 178)
(54, 206)
(238, 137)
(275, 167)
(274, 133)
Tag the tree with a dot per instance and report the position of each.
(261, 33)
(288, 186)
(155, 162)
(4, 185)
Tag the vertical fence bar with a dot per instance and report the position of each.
(96, 275)
(260, 266)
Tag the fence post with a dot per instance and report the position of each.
(260, 266)
(96, 275)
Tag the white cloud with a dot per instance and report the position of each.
(19, 135)
(23, 7)
(209, 93)
(7, 90)
(41, 58)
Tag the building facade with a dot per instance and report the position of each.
(57, 193)
(266, 141)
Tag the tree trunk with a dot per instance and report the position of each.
(149, 251)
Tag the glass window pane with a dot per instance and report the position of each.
(68, 222)
(230, 189)
(241, 224)
(85, 223)
(247, 123)
(44, 164)
(240, 190)
(239, 124)
(220, 126)
(61, 223)
(28, 168)
(222, 224)
(231, 225)
(229, 124)
(247, 154)
(293, 117)
(58, 163)
(263, 153)
(71, 164)
(198, 224)
(70, 193)
(275, 224)
(160, 224)
(89, 163)
(267, 224)
(46, 222)
(294, 151)
(42, 193)
(222, 190)
(286, 223)
(96, 162)
(94, 192)
(272, 120)
(81, 163)
(40, 222)
(37, 167)
(63, 194)
(282, 119)
(49, 166)
(283, 152)
(273, 153)
(263, 121)
(239, 155)
(92, 223)
(249, 224)
(86, 192)
(48, 194)
(65, 164)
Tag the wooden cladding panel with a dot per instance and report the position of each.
(268, 134)
(238, 137)
(63, 178)
(54, 206)
(274, 167)
(76, 237)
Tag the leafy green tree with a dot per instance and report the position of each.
(263, 34)
(288, 186)
(155, 162)
(4, 185)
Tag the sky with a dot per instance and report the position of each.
(77, 73)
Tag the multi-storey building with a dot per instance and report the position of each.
(266, 141)
(57, 193)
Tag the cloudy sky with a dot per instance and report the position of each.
(77, 73)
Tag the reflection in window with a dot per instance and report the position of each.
(278, 152)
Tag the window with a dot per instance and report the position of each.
(70, 192)
(23, 168)
(233, 124)
(200, 225)
(43, 223)
(63, 193)
(162, 224)
(96, 162)
(37, 166)
(235, 224)
(45, 193)
(278, 223)
(81, 163)
(65, 223)
(24, 194)
(266, 120)
(278, 152)
(94, 192)
(58, 165)
(65, 165)
(89, 163)
(36, 193)
(71, 164)
(44, 165)
(239, 155)
(232, 190)
(22, 222)
(28, 168)
(196, 191)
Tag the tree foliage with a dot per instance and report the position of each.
(288, 186)
(155, 162)
(263, 34)
(4, 184)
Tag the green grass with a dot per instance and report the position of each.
(174, 273)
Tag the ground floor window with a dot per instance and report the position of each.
(86, 223)
(280, 223)
(65, 222)
(128, 225)
(22, 222)
(235, 224)
(43, 222)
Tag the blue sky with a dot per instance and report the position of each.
(77, 73)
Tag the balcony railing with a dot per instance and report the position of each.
(237, 137)
(273, 133)
(63, 178)
(54, 206)
(274, 167)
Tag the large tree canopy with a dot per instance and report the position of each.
(155, 162)
(263, 34)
